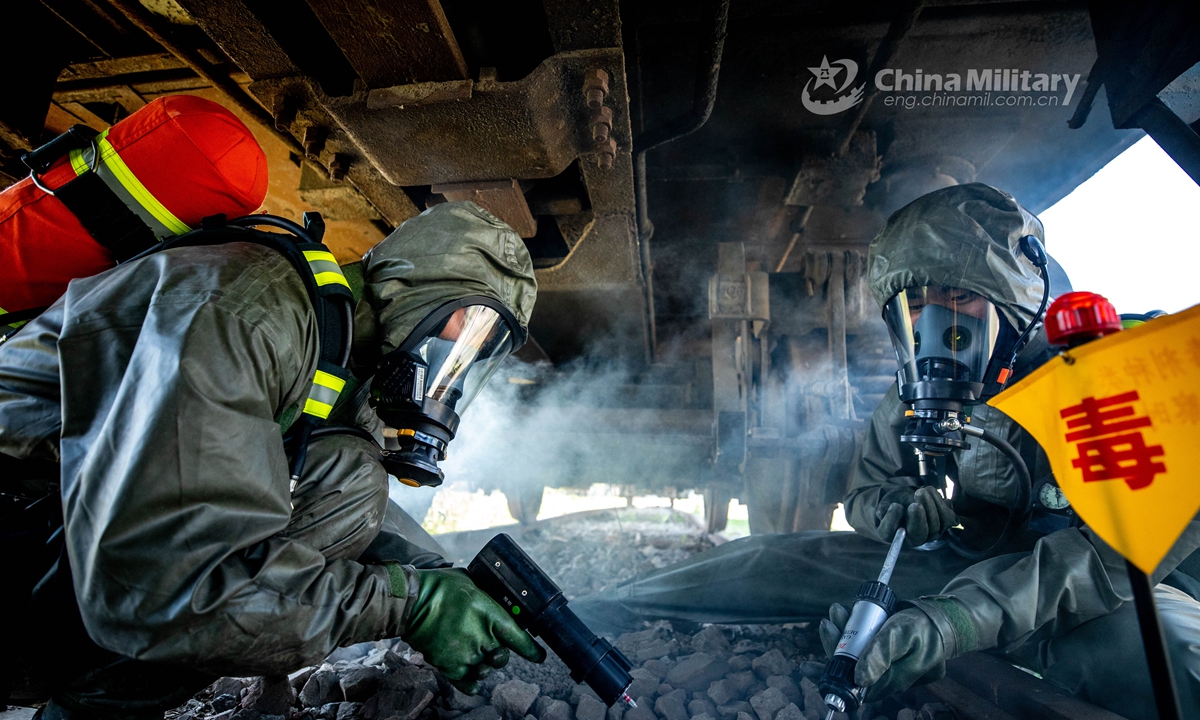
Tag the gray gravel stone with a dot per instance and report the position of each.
(661, 648)
(459, 700)
(711, 640)
(811, 669)
(790, 712)
(643, 711)
(229, 686)
(224, 702)
(514, 698)
(269, 695)
(704, 717)
(658, 667)
(673, 705)
(578, 691)
(767, 703)
(301, 676)
(644, 683)
(906, 714)
(545, 708)
(483, 712)
(741, 681)
(697, 671)
(665, 689)
(348, 711)
(701, 707)
(734, 709)
(589, 708)
(812, 696)
(771, 663)
(722, 691)
(402, 704)
(785, 685)
(361, 683)
(617, 711)
(739, 662)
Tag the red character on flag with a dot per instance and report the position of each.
(1111, 446)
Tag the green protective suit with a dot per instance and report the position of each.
(1058, 603)
(159, 386)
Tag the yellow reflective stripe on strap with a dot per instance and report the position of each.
(112, 160)
(333, 382)
(324, 268)
(317, 408)
(324, 393)
(78, 164)
(327, 278)
(311, 255)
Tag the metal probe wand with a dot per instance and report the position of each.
(873, 605)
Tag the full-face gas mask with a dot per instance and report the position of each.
(420, 389)
(954, 350)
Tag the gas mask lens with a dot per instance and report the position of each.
(462, 353)
(942, 333)
(420, 390)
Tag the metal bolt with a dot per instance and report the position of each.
(595, 87)
(606, 152)
(497, 563)
(314, 141)
(283, 111)
(524, 592)
(601, 120)
(338, 167)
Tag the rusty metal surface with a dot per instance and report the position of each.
(335, 201)
(531, 128)
(393, 42)
(579, 24)
(840, 180)
(502, 199)
(242, 36)
(423, 93)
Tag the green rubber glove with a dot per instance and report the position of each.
(924, 513)
(908, 650)
(460, 630)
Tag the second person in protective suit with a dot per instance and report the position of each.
(158, 534)
(957, 291)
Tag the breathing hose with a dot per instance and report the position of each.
(1016, 517)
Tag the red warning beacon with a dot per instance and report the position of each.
(1080, 317)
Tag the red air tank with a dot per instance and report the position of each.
(175, 161)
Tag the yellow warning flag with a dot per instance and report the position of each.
(1119, 419)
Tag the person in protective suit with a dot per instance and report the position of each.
(153, 539)
(1055, 599)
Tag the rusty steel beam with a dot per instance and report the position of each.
(503, 199)
(393, 42)
(899, 28)
(152, 26)
(111, 67)
(530, 128)
(241, 36)
(122, 95)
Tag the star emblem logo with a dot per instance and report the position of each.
(825, 73)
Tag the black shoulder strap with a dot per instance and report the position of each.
(106, 217)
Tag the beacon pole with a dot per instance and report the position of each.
(1162, 681)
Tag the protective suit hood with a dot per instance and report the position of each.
(450, 251)
(965, 236)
